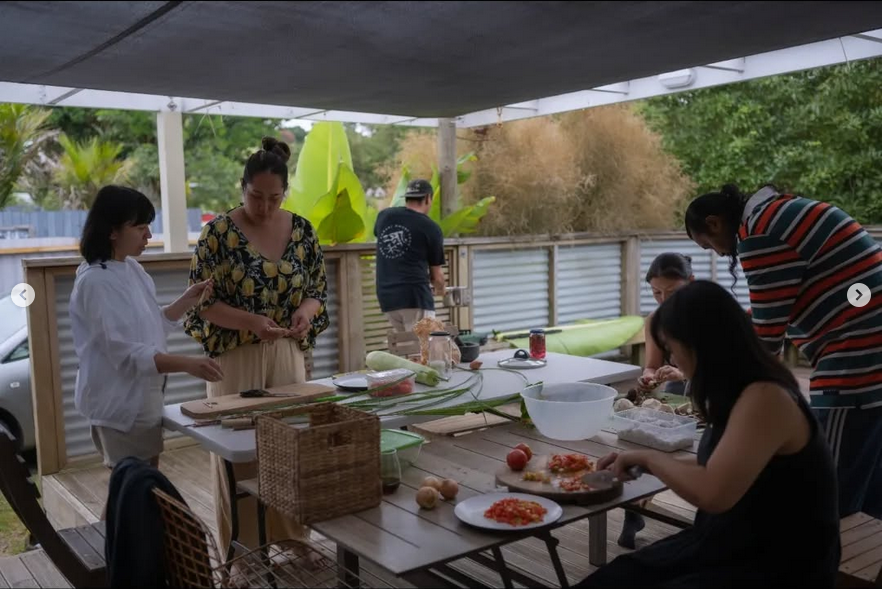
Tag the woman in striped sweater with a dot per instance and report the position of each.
(800, 257)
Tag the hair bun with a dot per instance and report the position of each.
(731, 190)
(279, 148)
(687, 258)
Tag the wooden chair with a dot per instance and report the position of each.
(78, 553)
(193, 560)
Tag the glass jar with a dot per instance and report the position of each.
(390, 471)
(537, 344)
(440, 354)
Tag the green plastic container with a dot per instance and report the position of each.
(408, 445)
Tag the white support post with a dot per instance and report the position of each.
(447, 165)
(172, 180)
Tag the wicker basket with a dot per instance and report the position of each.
(328, 469)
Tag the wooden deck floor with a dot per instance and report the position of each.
(85, 492)
(31, 569)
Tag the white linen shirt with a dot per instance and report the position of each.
(118, 329)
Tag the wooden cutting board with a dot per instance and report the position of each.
(516, 484)
(232, 404)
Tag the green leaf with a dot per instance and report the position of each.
(325, 149)
(435, 211)
(477, 212)
(343, 224)
(462, 175)
(450, 224)
(344, 180)
(370, 221)
(398, 197)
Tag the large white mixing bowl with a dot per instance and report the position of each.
(569, 411)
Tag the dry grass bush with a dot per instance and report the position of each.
(599, 170)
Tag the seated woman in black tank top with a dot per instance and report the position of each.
(763, 481)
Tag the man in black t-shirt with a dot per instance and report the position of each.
(410, 253)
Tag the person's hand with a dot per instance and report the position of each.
(607, 461)
(619, 463)
(198, 293)
(267, 329)
(668, 373)
(301, 321)
(204, 368)
(647, 382)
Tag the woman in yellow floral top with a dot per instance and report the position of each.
(266, 310)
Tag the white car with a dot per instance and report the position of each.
(16, 407)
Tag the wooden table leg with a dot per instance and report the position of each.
(501, 568)
(234, 509)
(551, 542)
(597, 539)
(347, 568)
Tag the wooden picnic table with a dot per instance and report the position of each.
(418, 545)
(240, 446)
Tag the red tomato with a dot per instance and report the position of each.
(516, 460)
(526, 450)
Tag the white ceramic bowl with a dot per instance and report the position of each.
(569, 411)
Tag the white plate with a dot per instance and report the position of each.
(352, 382)
(471, 511)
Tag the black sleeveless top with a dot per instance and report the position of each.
(788, 521)
(785, 529)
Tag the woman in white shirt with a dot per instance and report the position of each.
(120, 331)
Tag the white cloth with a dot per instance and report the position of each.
(118, 329)
(758, 198)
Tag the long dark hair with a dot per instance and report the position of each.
(670, 265)
(114, 206)
(272, 158)
(728, 204)
(729, 356)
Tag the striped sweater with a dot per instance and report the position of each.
(800, 256)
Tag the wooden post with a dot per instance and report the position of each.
(552, 285)
(352, 356)
(631, 276)
(631, 283)
(45, 391)
(172, 181)
(447, 165)
(463, 278)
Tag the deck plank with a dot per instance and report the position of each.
(16, 573)
(43, 571)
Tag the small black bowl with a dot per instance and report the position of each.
(469, 351)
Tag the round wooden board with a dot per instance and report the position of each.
(516, 484)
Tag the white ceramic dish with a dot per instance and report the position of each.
(471, 511)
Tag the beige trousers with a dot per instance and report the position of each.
(405, 319)
(262, 365)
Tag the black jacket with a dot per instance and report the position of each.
(134, 538)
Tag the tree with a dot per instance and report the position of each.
(23, 132)
(85, 167)
(818, 133)
(215, 149)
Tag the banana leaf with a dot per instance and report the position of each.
(585, 339)
(325, 149)
(343, 224)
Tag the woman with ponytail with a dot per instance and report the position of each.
(801, 258)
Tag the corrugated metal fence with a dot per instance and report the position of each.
(68, 223)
